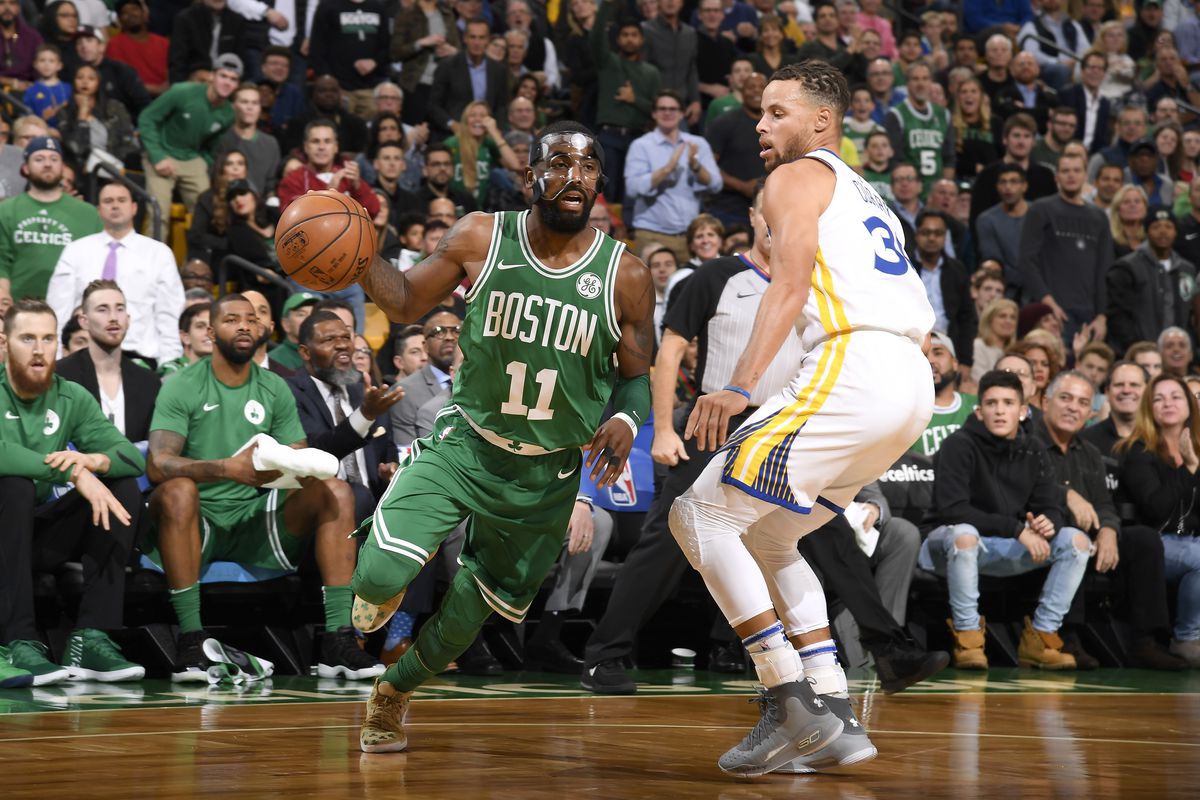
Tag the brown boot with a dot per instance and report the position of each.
(1042, 650)
(968, 646)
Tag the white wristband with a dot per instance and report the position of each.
(628, 420)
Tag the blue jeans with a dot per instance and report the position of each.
(353, 294)
(1181, 562)
(1002, 558)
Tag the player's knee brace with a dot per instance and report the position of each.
(696, 526)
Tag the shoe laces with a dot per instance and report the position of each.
(767, 705)
(389, 709)
(100, 642)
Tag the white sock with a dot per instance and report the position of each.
(775, 660)
(822, 668)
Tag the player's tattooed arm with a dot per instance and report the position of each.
(408, 296)
(165, 462)
(635, 307)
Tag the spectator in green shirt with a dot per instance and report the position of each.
(181, 131)
(625, 92)
(37, 224)
(477, 148)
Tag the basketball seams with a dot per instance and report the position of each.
(350, 209)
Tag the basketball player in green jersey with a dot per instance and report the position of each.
(207, 505)
(551, 301)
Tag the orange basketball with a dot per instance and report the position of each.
(325, 241)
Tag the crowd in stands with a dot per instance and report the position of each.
(1042, 157)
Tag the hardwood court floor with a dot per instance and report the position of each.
(1022, 736)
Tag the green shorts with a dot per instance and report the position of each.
(519, 508)
(252, 534)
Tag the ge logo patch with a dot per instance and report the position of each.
(588, 286)
(254, 412)
(52, 422)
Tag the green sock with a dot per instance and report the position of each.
(443, 637)
(186, 603)
(338, 600)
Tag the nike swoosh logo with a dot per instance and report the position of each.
(747, 294)
(10, 415)
(563, 475)
(207, 407)
(502, 265)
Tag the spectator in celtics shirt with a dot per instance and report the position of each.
(950, 407)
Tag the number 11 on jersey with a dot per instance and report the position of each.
(545, 379)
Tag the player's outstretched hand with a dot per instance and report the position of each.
(710, 418)
(104, 505)
(378, 399)
(240, 468)
(608, 451)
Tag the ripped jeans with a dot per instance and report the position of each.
(1003, 557)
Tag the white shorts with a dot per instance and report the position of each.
(860, 400)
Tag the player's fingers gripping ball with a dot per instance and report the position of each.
(325, 241)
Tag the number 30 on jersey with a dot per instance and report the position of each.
(890, 258)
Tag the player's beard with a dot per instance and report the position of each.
(231, 354)
(792, 151)
(28, 385)
(562, 222)
(339, 377)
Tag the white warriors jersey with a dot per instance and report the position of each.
(862, 278)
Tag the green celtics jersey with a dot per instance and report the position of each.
(537, 342)
(945, 421)
(217, 419)
(881, 182)
(924, 136)
(64, 413)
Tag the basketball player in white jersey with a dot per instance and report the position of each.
(863, 395)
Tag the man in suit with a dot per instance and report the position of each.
(338, 416)
(1028, 94)
(441, 339)
(262, 310)
(1091, 110)
(468, 76)
(125, 390)
(947, 283)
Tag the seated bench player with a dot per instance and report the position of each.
(93, 523)
(208, 504)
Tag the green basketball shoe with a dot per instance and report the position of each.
(92, 656)
(33, 656)
(12, 677)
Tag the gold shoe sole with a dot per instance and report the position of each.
(368, 617)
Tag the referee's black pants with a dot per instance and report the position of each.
(41, 537)
(845, 573)
(654, 566)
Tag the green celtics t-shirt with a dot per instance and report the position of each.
(217, 419)
(945, 421)
(33, 235)
(64, 413)
(881, 182)
(486, 157)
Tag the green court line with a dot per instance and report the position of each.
(524, 685)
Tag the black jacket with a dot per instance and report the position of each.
(1159, 495)
(1144, 299)
(341, 440)
(1009, 101)
(1081, 468)
(1075, 96)
(191, 40)
(960, 308)
(452, 92)
(991, 483)
(139, 384)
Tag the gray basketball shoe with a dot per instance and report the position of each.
(795, 722)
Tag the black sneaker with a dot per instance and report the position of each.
(901, 666)
(341, 656)
(191, 665)
(1083, 659)
(553, 657)
(1147, 653)
(727, 657)
(478, 660)
(607, 677)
